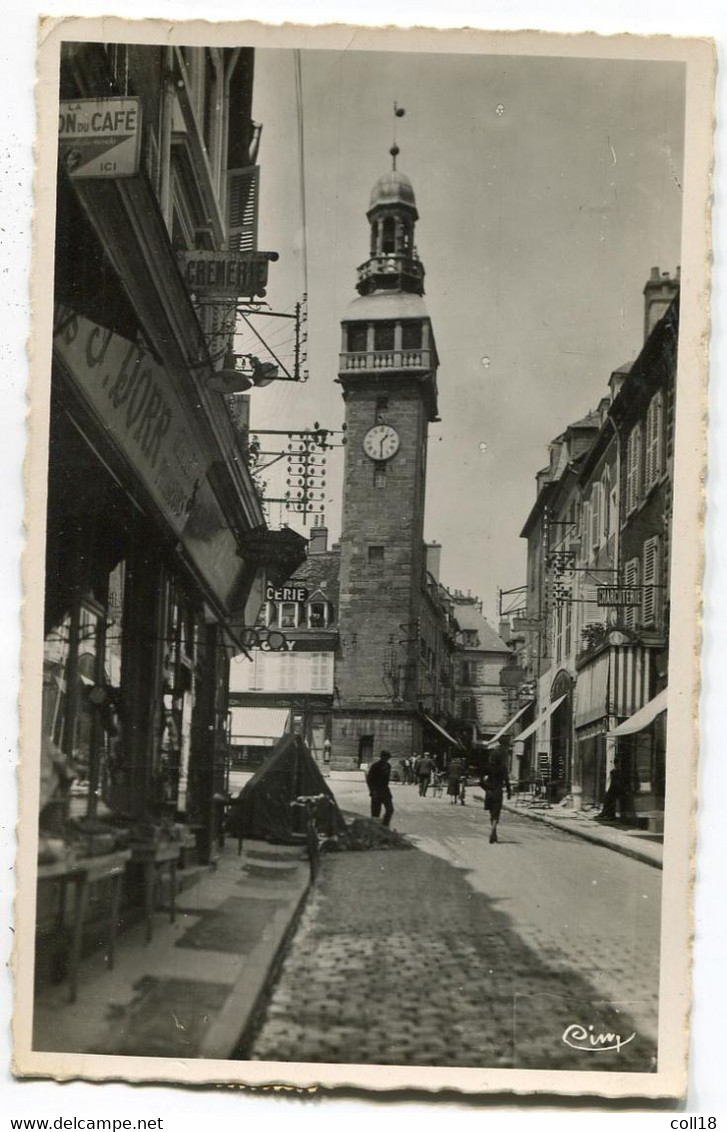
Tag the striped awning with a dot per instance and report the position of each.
(442, 732)
(495, 738)
(544, 715)
(257, 726)
(629, 679)
(643, 717)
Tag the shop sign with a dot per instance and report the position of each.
(287, 593)
(137, 405)
(100, 137)
(228, 274)
(617, 595)
(280, 552)
(268, 640)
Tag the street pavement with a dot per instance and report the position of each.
(528, 953)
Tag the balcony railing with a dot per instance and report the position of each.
(386, 359)
(394, 264)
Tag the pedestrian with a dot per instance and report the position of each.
(425, 767)
(455, 773)
(494, 783)
(377, 781)
(406, 771)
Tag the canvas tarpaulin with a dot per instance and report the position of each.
(263, 810)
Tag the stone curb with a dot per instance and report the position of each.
(228, 1030)
(626, 850)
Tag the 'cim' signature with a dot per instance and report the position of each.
(587, 1039)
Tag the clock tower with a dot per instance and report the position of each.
(387, 370)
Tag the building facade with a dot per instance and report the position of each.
(597, 607)
(152, 565)
(388, 375)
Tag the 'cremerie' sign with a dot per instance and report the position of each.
(287, 593)
(226, 274)
(100, 137)
(618, 595)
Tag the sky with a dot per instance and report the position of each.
(547, 188)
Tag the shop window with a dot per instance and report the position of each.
(411, 336)
(384, 336)
(272, 618)
(357, 338)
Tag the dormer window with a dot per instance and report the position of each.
(320, 614)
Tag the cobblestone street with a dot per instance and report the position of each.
(462, 953)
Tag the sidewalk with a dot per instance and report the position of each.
(192, 990)
(634, 843)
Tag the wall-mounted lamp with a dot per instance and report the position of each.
(238, 379)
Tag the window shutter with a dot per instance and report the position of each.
(651, 577)
(631, 578)
(596, 515)
(633, 468)
(654, 454)
(243, 192)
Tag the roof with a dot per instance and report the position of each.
(469, 618)
(320, 572)
(386, 305)
(393, 188)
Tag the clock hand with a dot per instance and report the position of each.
(381, 447)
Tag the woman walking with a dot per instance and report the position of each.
(455, 774)
(494, 784)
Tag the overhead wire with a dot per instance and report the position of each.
(301, 161)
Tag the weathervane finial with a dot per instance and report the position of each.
(399, 112)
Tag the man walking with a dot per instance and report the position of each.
(424, 773)
(377, 781)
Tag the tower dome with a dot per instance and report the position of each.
(392, 188)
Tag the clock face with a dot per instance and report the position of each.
(381, 442)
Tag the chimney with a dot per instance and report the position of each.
(434, 559)
(659, 291)
(318, 541)
(617, 379)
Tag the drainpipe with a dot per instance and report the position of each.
(165, 139)
(225, 129)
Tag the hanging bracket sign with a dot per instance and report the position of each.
(617, 595)
(100, 137)
(226, 275)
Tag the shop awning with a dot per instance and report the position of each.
(495, 738)
(541, 719)
(643, 717)
(441, 731)
(257, 726)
